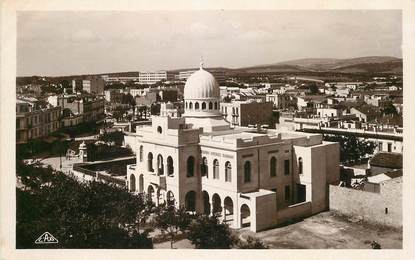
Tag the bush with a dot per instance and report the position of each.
(251, 243)
(206, 232)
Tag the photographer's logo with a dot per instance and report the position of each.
(46, 238)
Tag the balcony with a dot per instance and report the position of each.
(158, 180)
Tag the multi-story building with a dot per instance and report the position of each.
(249, 178)
(35, 122)
(244, 113)
(90, 107)
(93, 85)
(120, 79)
(153, 77)
(218, 74)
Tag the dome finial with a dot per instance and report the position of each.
(201, 62)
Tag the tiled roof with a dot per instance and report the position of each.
(387, 160)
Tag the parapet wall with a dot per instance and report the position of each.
(383, 208)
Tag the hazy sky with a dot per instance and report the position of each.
(66, 43)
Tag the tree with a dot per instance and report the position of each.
(389, 109)
(79, 215)
(171, 220)
(352, 149)
(117, 137)
(206, 232)
(145, 209)
(313, 88)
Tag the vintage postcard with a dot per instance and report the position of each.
(206, 126)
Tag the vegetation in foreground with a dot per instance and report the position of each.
(100, 215)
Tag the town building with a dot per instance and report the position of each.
(90, 107)
(33, 121)
(249, 177)
(218, 74)
(245, 113)
(119, 79)
(153, 77)
(113, 95)
(93, 85)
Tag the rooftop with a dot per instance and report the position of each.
(387, 160)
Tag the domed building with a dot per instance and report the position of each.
(246, 177)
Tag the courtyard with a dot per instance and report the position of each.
(328, 230)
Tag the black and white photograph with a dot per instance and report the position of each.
(218, 128)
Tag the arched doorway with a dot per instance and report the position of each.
(132, 183)
(150, 192)
(141, 183)
(206, 203)
(245, 216)
(228, 205)
(170, 198)
(217, 207)
(190, 201)
(160, 196)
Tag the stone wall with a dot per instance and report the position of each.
(300, 210)
(383, 208)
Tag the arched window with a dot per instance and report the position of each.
(247, 171)
(150, 162)
(215, 169)
(132, 183)
(228, 172)
(190, 166)
(190, 105)
(210, 105)
(203, 105)
(187, 105)
(141, 153)
(160, 166)
(204, 167)
(159, 130)
(273, 167)
(197, 105)
(300, 165)
(216, 105)
(233, 111)
(170, 167)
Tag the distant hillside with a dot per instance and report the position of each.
(272, 68)
(371, 64)
(361, 65)
(394, 67)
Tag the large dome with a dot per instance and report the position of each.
(201, 85)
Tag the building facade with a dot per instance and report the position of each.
(152, 77)
(244, 113)
(218, 74)
(90, 107)
(33, 122)
(93, 85)
(248, 178)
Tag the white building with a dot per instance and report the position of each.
(248, 178)
(218, 74)
(152, 77)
